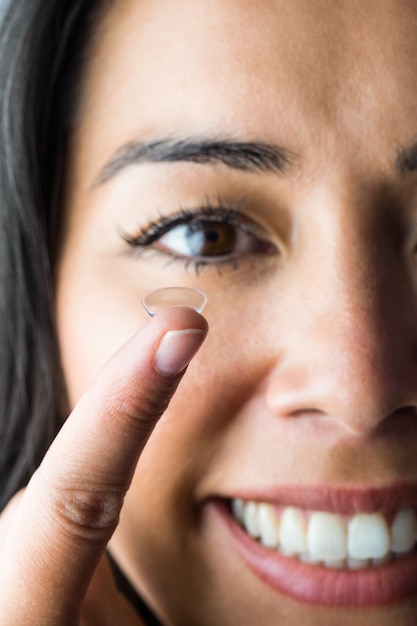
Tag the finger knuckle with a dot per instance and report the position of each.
(147, 408)
(87, 512)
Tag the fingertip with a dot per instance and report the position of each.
(181, 318)
(176, 350)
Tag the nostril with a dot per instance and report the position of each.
(307, 412)
(406, 410)
(400, 423)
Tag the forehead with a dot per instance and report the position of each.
(306, 71)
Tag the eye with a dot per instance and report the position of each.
(204, 236)
(210, 239)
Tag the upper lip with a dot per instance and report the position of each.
(346, 500)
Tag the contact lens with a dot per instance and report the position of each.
(172, 297)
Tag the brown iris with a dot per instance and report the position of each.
(211, 238)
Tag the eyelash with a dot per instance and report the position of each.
(220, 213)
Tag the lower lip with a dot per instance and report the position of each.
(377, 586)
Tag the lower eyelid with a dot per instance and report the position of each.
(244, 267)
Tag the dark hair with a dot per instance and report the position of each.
(42, 43)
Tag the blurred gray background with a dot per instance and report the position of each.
(3, 5)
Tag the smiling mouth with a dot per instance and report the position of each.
(334, 547)
(331, 540)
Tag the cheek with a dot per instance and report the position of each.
(187, 444)
(96, 315)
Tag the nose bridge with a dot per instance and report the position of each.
(352, 336)
(355, 287)
(355, 334)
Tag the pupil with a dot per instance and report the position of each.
(212, 236)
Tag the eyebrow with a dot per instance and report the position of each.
(251, 156)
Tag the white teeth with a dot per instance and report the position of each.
(307, 558)
(292, 531)
(403, 531)
(368, 536)
(268, 525)
(338, 564)
(237, 509)
(364, 540)
(355, 564)
(326, 537)
(250, 519)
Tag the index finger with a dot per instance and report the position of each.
(72, 504)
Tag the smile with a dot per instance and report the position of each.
(326, 546)
(327, 539)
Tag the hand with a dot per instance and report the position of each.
(53, 537)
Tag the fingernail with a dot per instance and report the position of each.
(176, 350)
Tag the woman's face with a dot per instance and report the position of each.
(263, 152)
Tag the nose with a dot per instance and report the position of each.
(350, 319)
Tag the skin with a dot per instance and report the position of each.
(308, 374)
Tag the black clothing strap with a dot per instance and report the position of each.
(125, 587)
